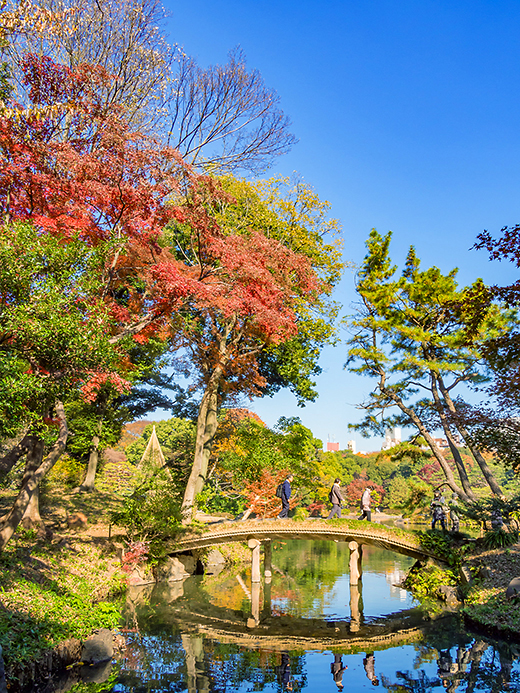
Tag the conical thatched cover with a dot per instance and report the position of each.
(153, 454)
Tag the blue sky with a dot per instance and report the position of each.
(407, 114)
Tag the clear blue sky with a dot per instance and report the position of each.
(408, 119)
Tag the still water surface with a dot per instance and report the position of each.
(312, 632)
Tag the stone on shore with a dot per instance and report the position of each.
(98, 648)
(171, 570)
(513, 589)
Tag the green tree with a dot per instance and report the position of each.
(54, 341)
(177, 440)
(411, 334)
(254, 447)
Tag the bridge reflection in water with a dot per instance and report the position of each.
(213, 634)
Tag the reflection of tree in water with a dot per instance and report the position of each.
(410, 682)
(478, 666)
(166, 662)
(231, 666)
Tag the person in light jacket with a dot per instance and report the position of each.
(335, 498)
(366, 513)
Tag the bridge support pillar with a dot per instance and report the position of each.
(356, 607)
(356, 562)
(254, 620)
(268, 557)
(254, 544)
(266, 611)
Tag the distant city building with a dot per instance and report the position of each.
(351, 445)
(332, 447)
(441, 443)
(392, 437)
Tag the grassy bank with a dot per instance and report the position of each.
(52, 589)
(52, 592)
(486, 605)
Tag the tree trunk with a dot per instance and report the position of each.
(206, 429)
(10, 522)
(24, 446)
(448, 473)
(486, 471)
(32, 518)
(459, 463)
(88, 482)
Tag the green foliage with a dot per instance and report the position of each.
(411, 336)
(253, 447)
(50, 594)
(176, 438)
(67, 472)
(116, 478)
(440, 545)
(398, 492)
(213, 499)
(425, 581)
(105, 687)
(494, 612)
(292, 213)
(499, 539)
(102, 419)
(419, 498)
(300, 514)
(152, 513)
(484, 509)
(50, 305)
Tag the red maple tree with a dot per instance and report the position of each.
(261, 494)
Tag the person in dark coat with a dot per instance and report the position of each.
(337, 669)
(336, 499)
(437, 508)
(284, 672)
(286, 494)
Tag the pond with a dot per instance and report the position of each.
(308, 629)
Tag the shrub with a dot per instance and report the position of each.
(316, 508)
(212, 499)
(499, 539)
(67, 472)
(301, 513)
(425, 582)
(151, 514)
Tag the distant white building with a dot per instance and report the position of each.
(392, 437)
(351, 445)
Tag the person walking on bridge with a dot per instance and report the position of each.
(286, 494)
(366, 513)
(335, 498)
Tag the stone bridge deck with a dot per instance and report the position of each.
(390, 538)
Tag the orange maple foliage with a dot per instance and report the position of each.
(261, 494)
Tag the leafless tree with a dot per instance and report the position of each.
(224, 118)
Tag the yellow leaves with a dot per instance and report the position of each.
(26, 17)
(38, 112)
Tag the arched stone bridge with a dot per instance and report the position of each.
(390, 538)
